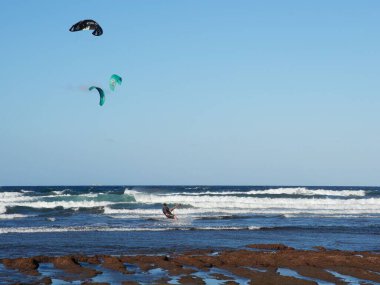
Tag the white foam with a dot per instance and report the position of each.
(59, 192)
(300, 191)
(131, 192)
(209, 203)
(112, 229)
(12, 199)
(63, 204)
(11, 216)
(309, 192)
(3, 209)
(9, 197)
(231, 204)
(69, 229)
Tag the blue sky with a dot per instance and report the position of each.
(214, 92)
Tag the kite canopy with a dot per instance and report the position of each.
(87, 25)
(101, 94)
(114, 79)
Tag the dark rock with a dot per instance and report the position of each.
(88, 259)
(278, 246)
(27, 266)
(310, 263)
(191, 280)
(67, 263)
(114, 263)
(219, 276)
(70, 265)
(320, 248)
(45, 281)
(94, 283)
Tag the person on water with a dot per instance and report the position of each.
(168, 212)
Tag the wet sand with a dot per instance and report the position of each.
(256, 264)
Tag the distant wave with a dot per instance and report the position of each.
(299, 191)
(9, 197)
(116, 229)
(216, 214)
(198, 205)
(309, 192)
(175, 227)
(59, 199)
(12, 198)
(12, 216)
(235, 204)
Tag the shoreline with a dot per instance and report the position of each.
(255, 264)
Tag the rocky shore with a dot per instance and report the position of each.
(256, 264)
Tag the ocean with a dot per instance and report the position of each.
(61, 220)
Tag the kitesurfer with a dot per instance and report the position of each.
(168, 212)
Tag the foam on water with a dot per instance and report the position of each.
(205, 203)
(300, 191)
(60, 199)
(309, 192)
(9, 197)
(12, 216)
(264, 205)
(12, 198)
(64, 204)
(116, 229)
(349, 216)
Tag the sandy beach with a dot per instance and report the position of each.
(256, 264)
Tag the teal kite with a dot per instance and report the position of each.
(114, 79)
(101, 94)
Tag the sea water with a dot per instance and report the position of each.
(59, 220)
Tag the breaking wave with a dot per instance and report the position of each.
(235, 204)
(116, 229)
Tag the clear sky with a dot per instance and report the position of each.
(214, 92)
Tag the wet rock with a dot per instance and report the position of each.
(70, 265)
(45, 281)
(88, 259)
(191, 280)
(176, 271)
(201, 252)
(27, 266)
(317, 273)
(220, 276)
(267, 278)
(162, 281)
(277, 246)
(43, 259)
(358, 273)
(147, 263)
(194, 261)
(320, 248)
(94, 283)
(67, 263)
(243, 263)
(114, 263)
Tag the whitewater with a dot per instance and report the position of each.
(339, 217)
